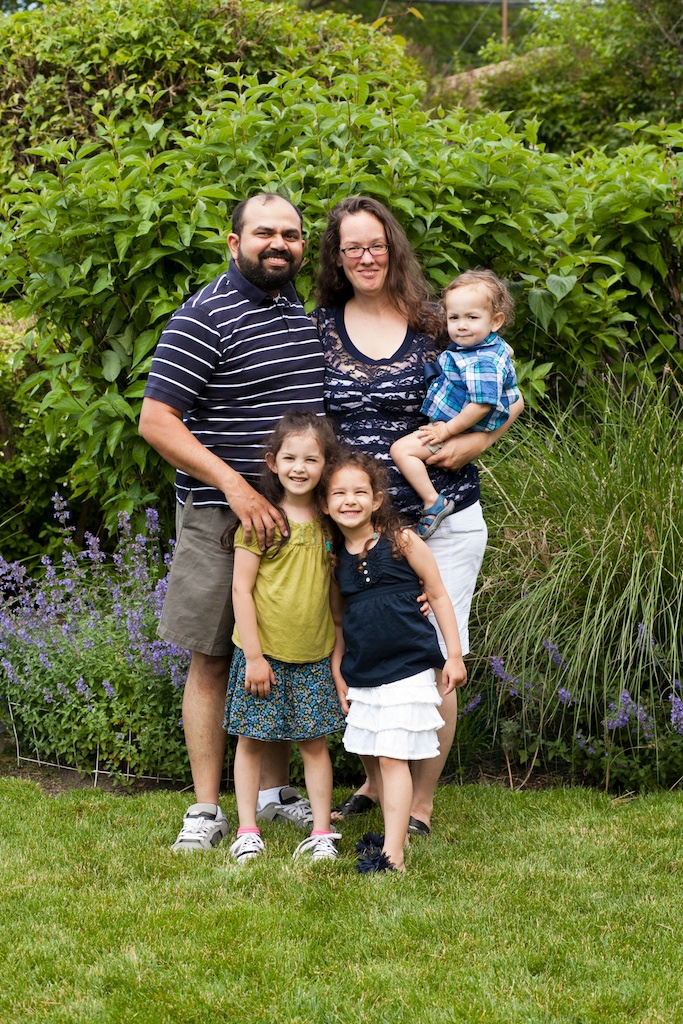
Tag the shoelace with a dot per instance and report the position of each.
(301, 810)
(250, 842)
(197, 826)
(325, 846)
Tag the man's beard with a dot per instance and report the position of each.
(263, 277)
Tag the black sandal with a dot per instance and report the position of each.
(357, 803)
(418, 828)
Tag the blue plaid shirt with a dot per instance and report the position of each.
(483, 374)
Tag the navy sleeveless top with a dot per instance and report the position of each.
(387, 638)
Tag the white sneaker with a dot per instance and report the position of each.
(318, 847)
(246, 847)
(204, 825)
(292, 807)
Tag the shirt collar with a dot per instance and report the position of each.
(492, 339)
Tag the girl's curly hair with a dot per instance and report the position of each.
(385, 520)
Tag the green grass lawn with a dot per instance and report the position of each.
(561, 905)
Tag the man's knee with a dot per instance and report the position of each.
(209, 672)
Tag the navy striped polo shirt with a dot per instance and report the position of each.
(235, 360)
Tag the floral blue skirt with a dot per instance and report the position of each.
(301, 706)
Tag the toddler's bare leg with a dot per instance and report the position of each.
(409, 454)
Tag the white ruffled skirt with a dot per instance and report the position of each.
(397, 720)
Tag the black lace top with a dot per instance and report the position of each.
(374, 402)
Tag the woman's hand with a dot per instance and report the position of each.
(258, 677)
(459, 451)
(464, 448)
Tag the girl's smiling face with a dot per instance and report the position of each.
(350, 501)
(298, 464)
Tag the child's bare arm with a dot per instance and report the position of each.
(422, 562)
(337, 606)
(259, 675)
(435, 433)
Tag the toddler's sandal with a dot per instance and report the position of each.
(432, 518)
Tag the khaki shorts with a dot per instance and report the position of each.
(438, 445)
(197, 611)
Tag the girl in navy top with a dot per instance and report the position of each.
(386, 655)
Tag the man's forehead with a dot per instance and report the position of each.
(260, 213)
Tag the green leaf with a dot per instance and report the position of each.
(144, 344)
(111, 365)
(542, 306)
(122, 241)
(560, 286)
(114, 434)
(153, 129)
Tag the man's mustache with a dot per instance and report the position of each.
(277, 254)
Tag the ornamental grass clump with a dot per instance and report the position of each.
(83, 676)
(581, 612)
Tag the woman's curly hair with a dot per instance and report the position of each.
(406, 285)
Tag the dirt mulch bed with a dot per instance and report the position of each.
(55, 781)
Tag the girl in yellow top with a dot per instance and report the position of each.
(281, 685)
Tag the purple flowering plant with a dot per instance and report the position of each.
(535, 717)
(615, 744)
(83, 675)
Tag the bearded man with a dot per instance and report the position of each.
(231, 361)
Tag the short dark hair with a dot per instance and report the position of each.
(265, 197)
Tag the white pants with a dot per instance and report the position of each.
(458, 545)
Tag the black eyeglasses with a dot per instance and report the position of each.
(354, 252)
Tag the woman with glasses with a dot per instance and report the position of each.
(378, 325)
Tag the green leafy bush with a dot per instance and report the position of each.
(580, 612)
(589, 66)
(28, 468)
(68, 64)
(108, 239)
